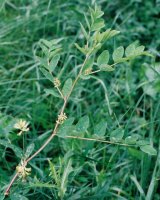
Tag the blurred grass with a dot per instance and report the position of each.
(101, 172)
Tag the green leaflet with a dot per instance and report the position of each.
(99, 24)
(133, 51)
(29, 150)
(66, 127)
(130, 50)
(47, 74)
(149, 150)
(142, 142)
(117, 135)
(67, 87)
(139, 49)
(89, 63)
(106, 68)
(103, 58)
(83, 124)
(52, 92)
(97, 21)
(100, 129)
(111, 34)
(131, 139)
(53, 63)
(118, 54)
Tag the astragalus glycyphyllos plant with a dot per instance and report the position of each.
(95, 61)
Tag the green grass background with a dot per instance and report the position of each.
(98, 171)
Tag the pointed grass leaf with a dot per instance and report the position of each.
(87, 22)
(140, 189)
(53, 173)
(135, 153)
(84, 31)
(65, 179)
(16, 149)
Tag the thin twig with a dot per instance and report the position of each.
(97, 140)
(10, 185)
(60, 92)
(94, 72)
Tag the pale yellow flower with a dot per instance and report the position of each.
(21, 125)
(61, 118)
(22, 170)
(87, 71)
(57, 83)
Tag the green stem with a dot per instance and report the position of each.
(98, 140)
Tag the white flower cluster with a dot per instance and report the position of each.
(21, 125)
(61, 118)
(57, 83)
(22, 170)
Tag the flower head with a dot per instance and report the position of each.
(61, 118)
(56, 82)
(87, 71)
(22, 170)
(21, 125)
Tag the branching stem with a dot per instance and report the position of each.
(54, 131)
